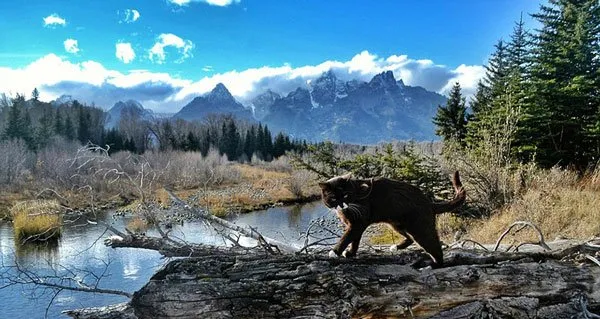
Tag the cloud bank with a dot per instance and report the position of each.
(90, 81)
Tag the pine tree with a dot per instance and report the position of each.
(69, 129)
(250, 142)
(451, 119)
(267, 144)
(59, 124)
(279, 146)
(564, 75)
(35, 95)
(45, 128)
(17, 126)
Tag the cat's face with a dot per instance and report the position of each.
(340, 191)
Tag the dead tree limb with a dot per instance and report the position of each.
(259, 285)
(251, 233)
(523, 224)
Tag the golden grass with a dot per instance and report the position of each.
(36, 220)
(138, 225)
(559, 203)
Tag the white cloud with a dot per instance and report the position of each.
(157, 52)
(220, 3)
(124, 52)
(90, 81)
(54, 20)
(71, 46)
(128, 15)
(207, 68)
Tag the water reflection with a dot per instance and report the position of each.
(34, 252)
(81, 247)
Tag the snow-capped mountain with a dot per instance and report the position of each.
(354, 111)
(261, 103)
(130, 108)
(217, 101)
(63, 100)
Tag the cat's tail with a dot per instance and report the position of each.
(459, 198)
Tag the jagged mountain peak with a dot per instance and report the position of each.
(131, 108)
(384, 79)
(220, 92)
(128, 104)
(63, 100)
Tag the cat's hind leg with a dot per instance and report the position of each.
(426, 236)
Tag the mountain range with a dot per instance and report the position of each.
(353, 111)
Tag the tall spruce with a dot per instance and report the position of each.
(564, 78)
(451, 119)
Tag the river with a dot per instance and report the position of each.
(81, 249)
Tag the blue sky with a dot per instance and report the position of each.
(164, 52)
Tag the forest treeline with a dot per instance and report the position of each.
(540, 99)
(36, 123)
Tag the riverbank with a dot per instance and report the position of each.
(257, 187)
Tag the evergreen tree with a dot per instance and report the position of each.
(564, 81)
(267, 144)
(250, 142)
(35, 95)
(45, 128)
(280, 145)
(231, 140)
(260, 141)
(69, 129)
(18, 121)
(59, 124)
(84, 123)
(451, 119)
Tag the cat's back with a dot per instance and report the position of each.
(386, 190)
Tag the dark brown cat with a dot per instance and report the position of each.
(362, 202)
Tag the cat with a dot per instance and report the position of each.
(362, 202)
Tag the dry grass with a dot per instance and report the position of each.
(260, 186)
(138, 225)
(36, 220)
(558, 202)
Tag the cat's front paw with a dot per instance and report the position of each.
(348, 254)
(333, 254)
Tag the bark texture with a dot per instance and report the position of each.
(474, 284)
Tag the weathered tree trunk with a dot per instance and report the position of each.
(250, 284)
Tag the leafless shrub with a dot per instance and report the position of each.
(190, 169)
(53, 167)
(15, 162)
(298, 181)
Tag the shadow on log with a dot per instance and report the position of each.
(221, 283)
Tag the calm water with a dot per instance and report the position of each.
(81, 247)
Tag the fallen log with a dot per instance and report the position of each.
(225, 283)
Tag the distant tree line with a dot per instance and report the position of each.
(37, 122)
(540, 98)
(238, 140)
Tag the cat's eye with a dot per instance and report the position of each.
(345, 196)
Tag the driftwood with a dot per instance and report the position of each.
(546, 281)
(241, 283)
